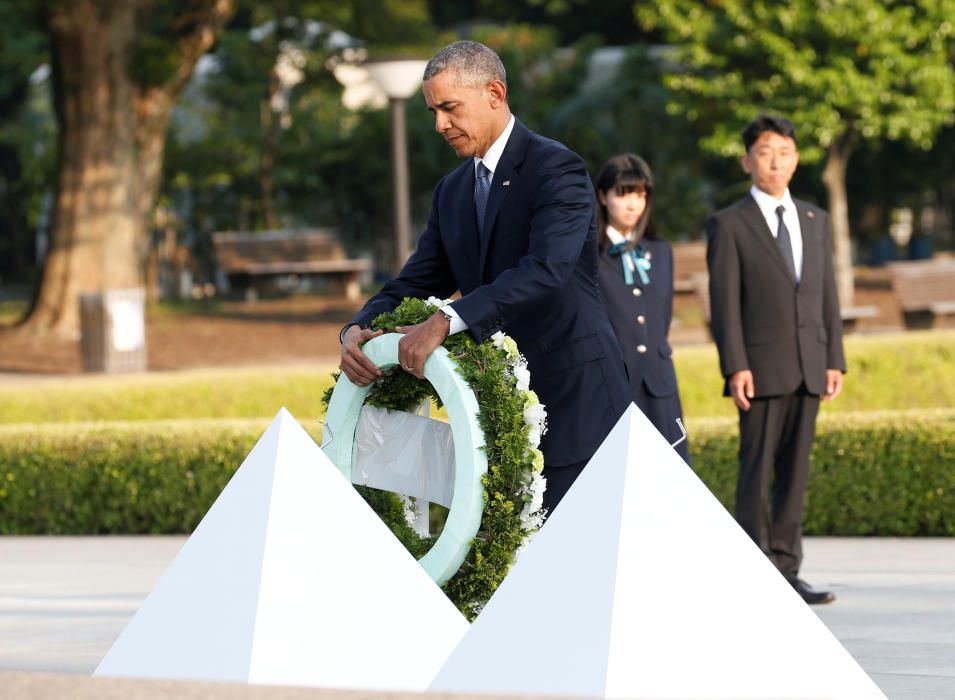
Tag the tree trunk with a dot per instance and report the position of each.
(270, 129)
(111, 139)
(834, 178)
(95, 229)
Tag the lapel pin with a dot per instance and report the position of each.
(505, 183)
(811, 214)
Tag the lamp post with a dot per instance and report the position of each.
(399, 80)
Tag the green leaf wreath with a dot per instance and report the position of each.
(512, 419)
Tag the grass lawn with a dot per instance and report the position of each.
(897, 371)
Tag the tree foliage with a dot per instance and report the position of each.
(840, 69)
(881, 69)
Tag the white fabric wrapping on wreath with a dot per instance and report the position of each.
(467, 504)
(404, 453)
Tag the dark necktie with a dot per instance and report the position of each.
(482, 188)
(785, 245)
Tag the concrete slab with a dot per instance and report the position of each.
(64, 600)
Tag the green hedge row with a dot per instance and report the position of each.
(873, 474)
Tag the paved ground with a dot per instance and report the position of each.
(63, 600)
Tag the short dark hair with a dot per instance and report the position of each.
(767, 122)
(476, 65)
(625, 172)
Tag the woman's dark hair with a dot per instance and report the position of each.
(625, 173)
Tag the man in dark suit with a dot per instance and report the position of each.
(776, 322)
(513, 229)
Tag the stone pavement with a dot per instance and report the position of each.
(63, 600)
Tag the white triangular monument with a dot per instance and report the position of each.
(641, 585)
(291, 579)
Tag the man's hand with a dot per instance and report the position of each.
(355, 364)
(742, 388)
(420, 341)
(833, 384)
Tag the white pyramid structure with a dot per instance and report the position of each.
(291, 579)
(641, 585)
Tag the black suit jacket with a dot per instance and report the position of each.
(654, 304)
(530, 271)
(786, 334)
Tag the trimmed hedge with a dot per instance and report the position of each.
(890, 474)
(874, 473)
(117, 478)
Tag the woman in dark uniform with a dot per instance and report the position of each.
(636, 286)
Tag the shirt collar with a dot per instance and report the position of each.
(615, 236)
(768, 204)
(494, 153)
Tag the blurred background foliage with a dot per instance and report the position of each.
(246, 151)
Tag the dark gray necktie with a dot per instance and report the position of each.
(782, 240)
(482, 188)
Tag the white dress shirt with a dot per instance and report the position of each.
(768, 205)
(490, 160)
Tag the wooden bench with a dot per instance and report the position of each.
(851, 315)
(247, 258)
(689, 263)
(925, 291)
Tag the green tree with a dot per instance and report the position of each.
(118, 67)
(25, 141)
(842, 70)
(240, 158)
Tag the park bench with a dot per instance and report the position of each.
(689, 266)
(247, 259)
(851, 315)
(925, 291)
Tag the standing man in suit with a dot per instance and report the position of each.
(513, 229)
(776, 322)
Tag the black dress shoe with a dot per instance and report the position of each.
(808, 593)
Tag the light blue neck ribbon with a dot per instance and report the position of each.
(633, 259)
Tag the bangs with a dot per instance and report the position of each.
(629, 182)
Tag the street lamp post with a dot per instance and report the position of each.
(399, 80)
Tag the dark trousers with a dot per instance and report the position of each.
(663, 411)
(559, 480)
(776, 437)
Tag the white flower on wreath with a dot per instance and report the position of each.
(532, 516)
(522, 375)
(410, 508)
(507, 344)
(535, 417)
(437, 303)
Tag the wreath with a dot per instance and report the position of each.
(512, 420)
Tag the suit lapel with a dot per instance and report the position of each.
(505, 180)
(754, 219)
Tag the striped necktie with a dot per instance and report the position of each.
(482, 188)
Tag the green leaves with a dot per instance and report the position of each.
(501, 417)
(882, 69)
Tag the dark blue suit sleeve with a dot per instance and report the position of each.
(426, 273)
(562, 213)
